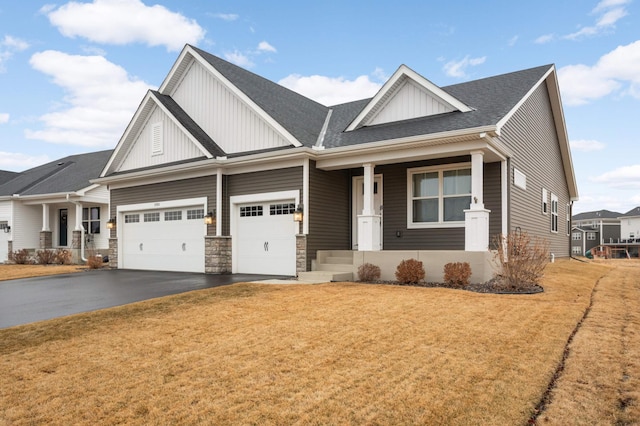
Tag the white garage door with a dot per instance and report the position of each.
(164, 240)
(265, 238)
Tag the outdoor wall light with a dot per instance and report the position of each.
(298, 214)
(210, 218)
(7, 229)
(111, 223)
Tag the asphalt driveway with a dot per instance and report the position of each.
(36, 299)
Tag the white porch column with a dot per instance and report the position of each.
(477, 217)
(45, 217)
(368, 222)
(219, 202)
(78, 217)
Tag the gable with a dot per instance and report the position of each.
(159, 141)
(220, 111)
(404, 96)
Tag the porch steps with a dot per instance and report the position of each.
(330, 265)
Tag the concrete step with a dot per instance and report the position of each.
(325, 254)
(339, 260)
(324, 276)
(337, 267)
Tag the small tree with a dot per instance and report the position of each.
(522, 259)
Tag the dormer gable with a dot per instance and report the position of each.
(404, 96)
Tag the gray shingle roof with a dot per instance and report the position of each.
(6, 176)
(191, 126)
(67, 174)
(599, 214)
(633, 212)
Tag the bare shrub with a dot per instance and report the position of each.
(94, 260)
(45, 257)
(521, 259)
(20, 257)
(457, 274)
(368, 272)
(62, 257)
(410, 271)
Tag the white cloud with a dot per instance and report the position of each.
(587, 145)
(547, 38)
(626, 177)
(4, 118)
(458, 68)
(609, 11)
(99, 102)
(8, 46)
(380, 75)
(331, 90)
(225, 16)
(513, 40)
(619, 68)
(18, 161)
(125, 21)
(239, 59)
(263, 46)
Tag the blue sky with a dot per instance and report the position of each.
(73, 73)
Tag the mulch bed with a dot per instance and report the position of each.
(496, 285)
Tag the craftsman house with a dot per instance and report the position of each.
(55, 206)
(221, 170)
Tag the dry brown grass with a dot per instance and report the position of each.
(601, 381)
(295, 354)
(12, 272)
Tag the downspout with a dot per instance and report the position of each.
(84, 259)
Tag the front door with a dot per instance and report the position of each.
(62, 227)
(358, 204)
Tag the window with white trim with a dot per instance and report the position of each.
(554, 213)
(195, 214)
(576, 236)
(591, 236)
(438, 195)
(152, 217)
(545, 206)
(174, 215)
(91, 220)
(131, 218)
(576, 250)
(568, 218)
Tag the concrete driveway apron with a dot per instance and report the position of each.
(36, 299)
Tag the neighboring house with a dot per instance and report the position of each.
(630, 224)
(418, 170)
(53, 205)
(591, 229)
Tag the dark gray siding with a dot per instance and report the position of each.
(492, 187)
(610, 232)
(531, 134)
(166, 191)
(329, 211)
(577, 243)
(258, 182)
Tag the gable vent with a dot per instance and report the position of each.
(157, 146)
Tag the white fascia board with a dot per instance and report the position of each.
(52, 198)
(242, 96)
(405, 71)
(125, 141)
(179, 67)
(83, 191)
(160, 105)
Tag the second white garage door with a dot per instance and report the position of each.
(265, 238)
(164, 240)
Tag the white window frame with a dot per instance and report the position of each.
(576, 250)
(591, 236)
(554, 213)
(545, 202)
(440, 170)
(576, 236)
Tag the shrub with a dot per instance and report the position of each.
(20, 257)
(368, 272)
(457, 274)
(45, 257)
(521, 259)
(62, 257)
(410, 271)
(94, 261)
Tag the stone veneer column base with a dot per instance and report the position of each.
(113, 253)
(46, 240)
(217, 255)
(301, 253)
(76, 239)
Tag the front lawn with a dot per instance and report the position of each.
(12, 272)
(298, 354)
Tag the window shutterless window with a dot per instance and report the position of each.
(576, 236)
(91, 220)
(545, 207)
(591, 236)
(438, 196)
(554, 213)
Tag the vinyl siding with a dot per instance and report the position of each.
(166, 191)
(259, 182)
(531, 134)
(26, 227)
(329, 211)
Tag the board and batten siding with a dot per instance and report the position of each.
(166, 191)
(176, 146)
(222, 115)
(531, 134)
(288, 179)
(410, 101)
(329, 211)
